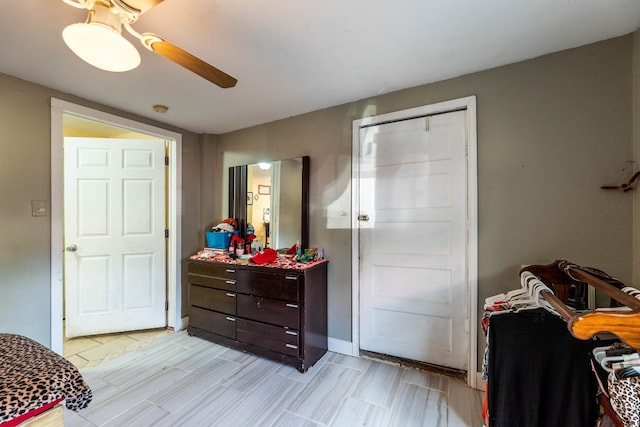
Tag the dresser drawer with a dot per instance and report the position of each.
(213, 282)
(213, 276)
(266, 310)
(217, 323)
(214, 270)
(282, 340)
(213, 299)
(278, 286)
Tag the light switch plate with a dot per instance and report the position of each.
(38, 208)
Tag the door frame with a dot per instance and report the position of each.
(468, 104)
(174, 203)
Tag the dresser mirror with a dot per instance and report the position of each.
(273, 198)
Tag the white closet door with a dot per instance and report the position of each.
(413, 287)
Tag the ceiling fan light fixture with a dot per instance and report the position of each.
(99, 40)
(102, 46)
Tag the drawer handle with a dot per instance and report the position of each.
(292, 305)
(229, 294)
(230, 271)
(230, 282)
(291, 346)
(231, 319)
(291, 277)
(291, 333)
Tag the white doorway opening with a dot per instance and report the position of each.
(61, 108)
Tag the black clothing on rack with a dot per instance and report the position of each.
(539, 374)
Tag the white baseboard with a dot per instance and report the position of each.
(341, 346)
(184, 323)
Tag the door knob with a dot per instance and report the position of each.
(363, 217)
(72, 248)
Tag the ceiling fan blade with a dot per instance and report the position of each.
(190, 62)
(141, 5)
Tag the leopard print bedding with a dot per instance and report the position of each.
(625, 399)
(31, 376)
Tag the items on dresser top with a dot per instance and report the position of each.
(218, 237)
(279, 261)
(277, 310)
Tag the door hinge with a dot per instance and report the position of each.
(166, 306)
(166, 160)
(166, 233)
(427, 123)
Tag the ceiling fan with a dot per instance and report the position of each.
(99, 40)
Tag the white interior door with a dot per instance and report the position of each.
(114, 222)
(413, 269)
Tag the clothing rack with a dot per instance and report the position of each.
(623, 324)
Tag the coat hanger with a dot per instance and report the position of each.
(626, 186)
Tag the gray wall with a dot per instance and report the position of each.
(551, 131)
(25, 175)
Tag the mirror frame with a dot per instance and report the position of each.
(238, 199)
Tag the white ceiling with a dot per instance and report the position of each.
(296, 56)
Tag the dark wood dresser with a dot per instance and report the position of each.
(276, 312)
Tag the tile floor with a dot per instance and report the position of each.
(89, 352)
(181, 380)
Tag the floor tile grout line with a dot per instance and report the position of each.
(305, 418)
